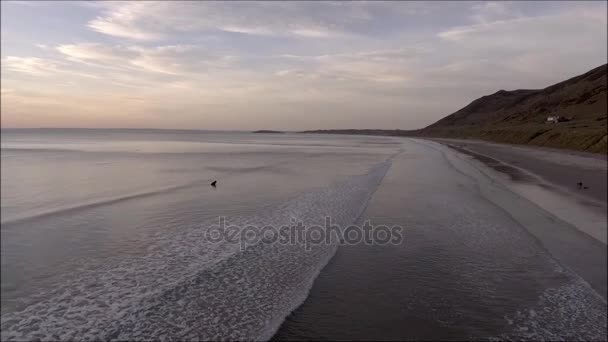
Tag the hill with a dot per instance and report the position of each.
(520, 116)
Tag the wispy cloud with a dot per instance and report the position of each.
(166, 59)
(492, 11)
(94, 51)
(30, 65)
(152, 21)
(121, 20)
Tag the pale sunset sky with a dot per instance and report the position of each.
(282, 65)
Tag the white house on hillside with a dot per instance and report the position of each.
(555, 119)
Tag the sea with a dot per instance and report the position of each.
(107, 235)
(103, 231)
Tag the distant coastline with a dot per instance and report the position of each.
(520, 117)
(386, 132)
(267, 131)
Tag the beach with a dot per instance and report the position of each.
(479, 260)
(483, 250)
(564, 168)
(304, 171)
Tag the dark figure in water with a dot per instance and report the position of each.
(213, 183)
(580, 184)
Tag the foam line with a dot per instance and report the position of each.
(186, 289)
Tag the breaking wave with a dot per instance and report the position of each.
(187, 289)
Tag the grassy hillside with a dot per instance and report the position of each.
(518, 117)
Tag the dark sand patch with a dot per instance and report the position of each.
(514, 173)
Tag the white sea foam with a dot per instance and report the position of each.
(571, 312)
(185, 289)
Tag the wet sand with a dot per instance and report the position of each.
(478, 261)
(549, 178)
(559, 167)
(544, 175)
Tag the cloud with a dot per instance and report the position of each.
(530, 31)
(30, 65)
(156, 20)
(492, 11)
(121, 21)
(25, 3)
(165, 59)
(94, 51)
(304, 64)
(374, 66)
(284, 72)
(6, 91)
(539, 46)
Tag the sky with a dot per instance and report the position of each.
(282, 65)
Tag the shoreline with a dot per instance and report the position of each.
(492, 264)
(402, 133)
(576, 240)
(582, 246)
(548, 179)
(416, 134)
(563, 168)
(584, 154)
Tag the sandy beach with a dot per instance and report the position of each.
(563, 168)
(494, 263)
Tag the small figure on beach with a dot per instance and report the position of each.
(581, 186)
(213, 183)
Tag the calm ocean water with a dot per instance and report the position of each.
(102, 229)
